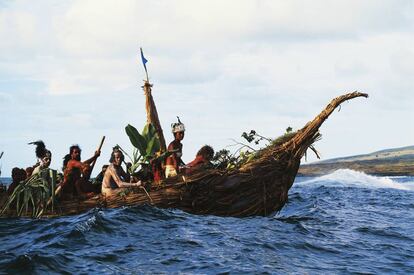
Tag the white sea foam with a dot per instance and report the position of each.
(347, 177)
(86, 225)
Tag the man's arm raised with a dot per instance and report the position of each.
(95, 156)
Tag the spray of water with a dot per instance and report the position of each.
(347, 177)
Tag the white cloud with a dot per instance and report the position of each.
(237, 64)
(17, 28)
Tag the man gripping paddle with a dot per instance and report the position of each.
(76, 174)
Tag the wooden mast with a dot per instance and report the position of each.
(152, 114)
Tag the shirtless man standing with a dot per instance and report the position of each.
(115, 178)
(174, 161)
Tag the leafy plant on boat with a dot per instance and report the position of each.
(146, 148)
(224, 159)
(33, 195)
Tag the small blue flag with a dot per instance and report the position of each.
(144, 61)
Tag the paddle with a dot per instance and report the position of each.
(94, 162)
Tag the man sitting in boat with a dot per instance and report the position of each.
(76, 175)
(115, 178)
(174, 161)
(99, 178)
(29, 171)
(18, 175)
(201, 161)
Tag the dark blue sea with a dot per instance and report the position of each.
(343, 223)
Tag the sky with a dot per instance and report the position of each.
(70, 73)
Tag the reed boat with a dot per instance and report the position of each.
(258, 188)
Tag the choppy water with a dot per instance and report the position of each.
(345, 222)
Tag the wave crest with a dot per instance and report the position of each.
(348, 177)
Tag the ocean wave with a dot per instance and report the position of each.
(320, 230)
(348, 177)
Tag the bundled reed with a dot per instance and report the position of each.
(152, 114)
(259, 187)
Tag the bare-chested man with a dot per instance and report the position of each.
(174, 161)
(115, 178)
(202, 160)
(76, 174)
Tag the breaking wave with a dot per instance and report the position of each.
(348, 177)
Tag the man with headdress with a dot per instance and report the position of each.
(44, 157)
(115, 178)
(173, 162)
(76, 174)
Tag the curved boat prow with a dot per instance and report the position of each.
(306, 136)
(276, 167)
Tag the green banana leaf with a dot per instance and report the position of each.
(148, 132)
(153, 147)
(137, 140)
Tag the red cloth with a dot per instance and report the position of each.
(157, 172)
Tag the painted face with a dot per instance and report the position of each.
(117, 158)
(76, 154)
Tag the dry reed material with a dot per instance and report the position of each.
(152, 114)
(260, 187)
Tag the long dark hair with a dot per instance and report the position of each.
(116, 150)
(67, 158)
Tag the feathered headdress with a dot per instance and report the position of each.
(40, 148)
(178, 126)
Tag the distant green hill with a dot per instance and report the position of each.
(390, 162)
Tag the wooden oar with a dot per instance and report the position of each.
(94, 162)
(59, 189)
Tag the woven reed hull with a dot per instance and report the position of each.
(212, 194)
(258, 188)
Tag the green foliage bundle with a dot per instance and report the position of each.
(146, 145)
(32, 194)
(146, 148)
(283, 138)
(224, 159)
(253, 136)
